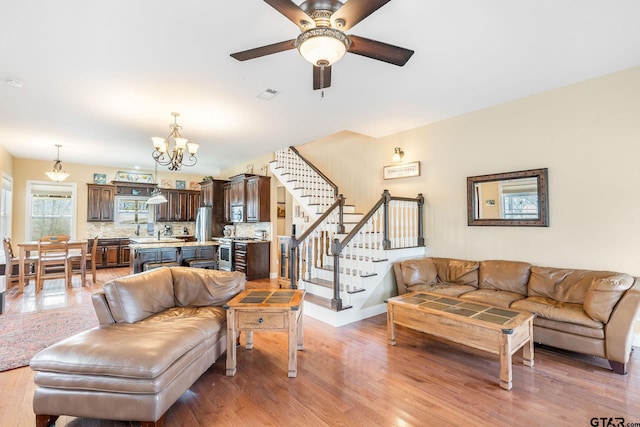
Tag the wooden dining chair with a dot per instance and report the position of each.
(12, 261)
(53, 254)
(75, 260)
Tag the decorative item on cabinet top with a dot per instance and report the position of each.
(134, 177)
(99, 178)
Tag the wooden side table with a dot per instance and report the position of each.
(265, 310)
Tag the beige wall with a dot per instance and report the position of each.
(25, 169)
(587, 135)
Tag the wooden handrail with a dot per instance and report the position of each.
(316, 170)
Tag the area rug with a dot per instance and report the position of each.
(22, 335)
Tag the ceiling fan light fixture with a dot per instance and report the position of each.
(322, 46)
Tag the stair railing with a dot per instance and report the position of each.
(311, 248)
(392, 223)
(317, 186)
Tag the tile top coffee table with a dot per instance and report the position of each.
(493, 329)
(265, 310)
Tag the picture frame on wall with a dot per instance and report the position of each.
(404, 170)
(180, 184)
(165, 183)
(99, 178)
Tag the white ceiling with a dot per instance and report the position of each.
(102, 77)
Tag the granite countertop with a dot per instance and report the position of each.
(172, 244)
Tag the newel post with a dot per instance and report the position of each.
(336, 248)
(340, 229)
(386, 242)
(293, 259)
(420, 220)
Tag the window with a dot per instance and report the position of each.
(131, 210)
(6, 207)
(51, 208)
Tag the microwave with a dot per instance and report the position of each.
(237, 213)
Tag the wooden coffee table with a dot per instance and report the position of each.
(492, 329)
(265, 310)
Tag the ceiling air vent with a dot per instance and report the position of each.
(268, 93)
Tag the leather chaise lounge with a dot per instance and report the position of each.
(159, 331)
(584, 311)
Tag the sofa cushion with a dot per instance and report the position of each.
(133, 298)
(568, 328)
(448, 289)
(548, 308)
(210, 320)
(199, 288)
(420, 271)
(458, 271)
(139, 350)
(561, 284)
(510, 276)
(493, 297)
(603, 294)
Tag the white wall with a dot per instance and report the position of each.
(587, 135)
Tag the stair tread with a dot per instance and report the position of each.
(322, 301)
(329, 284)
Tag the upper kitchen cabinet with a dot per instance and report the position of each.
(181, 206)
(247, 198)
(100, 202)
(258, 192)
(212, 194)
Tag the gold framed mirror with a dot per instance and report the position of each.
(509, 199)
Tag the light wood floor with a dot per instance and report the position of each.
(350, 376)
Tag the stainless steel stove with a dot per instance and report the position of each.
(225, 250)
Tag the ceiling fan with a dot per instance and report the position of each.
(323, 41)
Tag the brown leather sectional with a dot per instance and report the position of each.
(159, 332)
(590, 312)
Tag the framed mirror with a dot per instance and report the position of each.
(509, 199)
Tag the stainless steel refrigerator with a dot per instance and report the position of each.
(204, 224)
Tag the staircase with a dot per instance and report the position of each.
(343, 259)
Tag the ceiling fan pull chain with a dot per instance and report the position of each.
(322, 65)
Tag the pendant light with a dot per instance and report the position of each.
(58, 174)
(156, 195)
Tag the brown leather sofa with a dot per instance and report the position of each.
(590, 312)
(159, 331)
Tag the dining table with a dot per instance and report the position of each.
(26, 248)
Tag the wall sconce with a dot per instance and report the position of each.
(398, 154)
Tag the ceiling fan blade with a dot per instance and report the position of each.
(321, 77)
(355, 11)
(293, 12)
(263, 50)
(381, 51)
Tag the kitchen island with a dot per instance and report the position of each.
(170, 252)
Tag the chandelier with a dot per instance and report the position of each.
(58, 174)
(170, 151)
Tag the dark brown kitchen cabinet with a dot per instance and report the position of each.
(181, 206)
(193, 203)
(252, 194)
(258, 198)
(237, 189)
(252, 259)
(227, 202)
(112, 252)
(100, 202)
